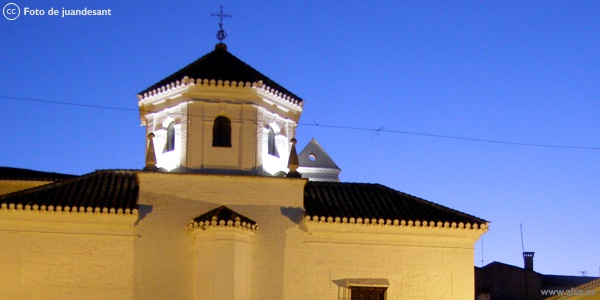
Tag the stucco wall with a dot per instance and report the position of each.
(52, 255)
(294, 260)
(153, 255)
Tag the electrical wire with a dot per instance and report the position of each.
(373, 130)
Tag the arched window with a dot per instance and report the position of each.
(170, 137)
(271, 143)
(222, 132)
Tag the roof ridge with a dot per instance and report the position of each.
(31, 175)
(42, 187)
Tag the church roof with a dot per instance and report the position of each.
(223, 213)
(117, 190)
(220, 65)
(8, 173)
(223, 216)
(375, 201)
(104, 190)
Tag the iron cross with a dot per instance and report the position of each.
(221, 35)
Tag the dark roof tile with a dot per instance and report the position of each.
(8, 173)
(222, 216)
(223, 213)
(362, 200)
(101, 189)
(221, 65)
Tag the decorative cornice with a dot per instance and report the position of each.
(215, 222)
(402, 223)
(188, 82)
(67, 210)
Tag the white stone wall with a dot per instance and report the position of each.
(154, 255)
(419, 263)
(223, 263)
(269, 164)
(242, 153)
(55, 255)
(290, 260)
(157, 123)
(175, 199)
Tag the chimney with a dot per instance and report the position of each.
(528, 259)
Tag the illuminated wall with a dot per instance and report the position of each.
(157, 253)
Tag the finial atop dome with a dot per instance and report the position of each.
(221, 46)
(221, 34)
(150, 154)
(293, 163)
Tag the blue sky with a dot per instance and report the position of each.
(508, 71)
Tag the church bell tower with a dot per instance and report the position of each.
(220, 115)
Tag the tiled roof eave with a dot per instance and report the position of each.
(378, 204)
(401, 223)
(222, 217)
(204, 225)
(186, 82)
(11, 207)
(100, 192)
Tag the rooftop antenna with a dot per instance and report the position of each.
(583, 273)
(221, 34)
(482, 251)
(525, 266)
(522, 244)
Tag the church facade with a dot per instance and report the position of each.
(225, 208)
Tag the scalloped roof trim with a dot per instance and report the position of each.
(579, 287)
(67, 209)
(186, 81)
(203, 225)
(403, 223)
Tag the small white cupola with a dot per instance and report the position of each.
(316, 164)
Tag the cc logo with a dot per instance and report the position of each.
(11, 11)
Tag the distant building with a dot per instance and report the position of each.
(225, 209)
(16, 179)
(499, 281)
